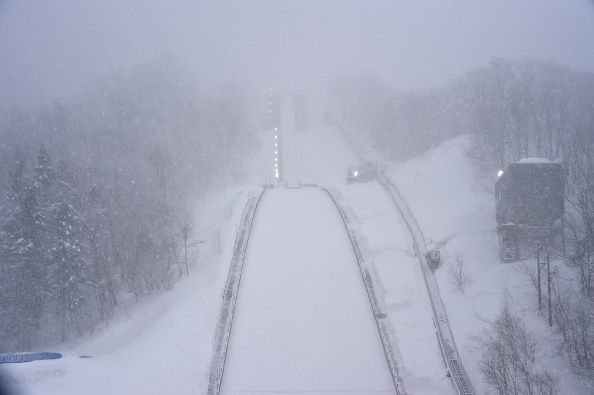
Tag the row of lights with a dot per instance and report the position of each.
(276, 139)
(276, 164)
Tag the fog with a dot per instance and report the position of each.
(51, 48)
(392, 182)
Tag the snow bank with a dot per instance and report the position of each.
(389, 254)
(161, 345)
(453, 201)
(534, 160)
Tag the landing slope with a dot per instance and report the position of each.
(303, 323)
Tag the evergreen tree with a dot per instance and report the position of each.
(44, 175)
(44, 182)
(100, 273)
(9, 325)
(24, 265)
(18, 179)
(67, 267)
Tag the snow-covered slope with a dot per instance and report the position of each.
(303, 323)
(163, 344)
(389, 253)
(453, 200)
(323, 156)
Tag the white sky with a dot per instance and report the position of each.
(51, 47)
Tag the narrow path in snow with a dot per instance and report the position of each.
(445, 336)
(303, 323)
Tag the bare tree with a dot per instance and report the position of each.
(581, 203)
(508, 358)
(186, 231)
(458, 273)
(121, 173)
(575, 322)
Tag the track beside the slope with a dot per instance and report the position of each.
(388, 343)
(444, 332)
(225, 322)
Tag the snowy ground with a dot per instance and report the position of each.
(322, 155)
(160, 346)
(303, 323)
(452, 198)
(389, 253)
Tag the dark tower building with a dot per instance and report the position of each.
(530, 206)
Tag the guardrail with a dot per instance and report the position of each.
(445, 336)
(28, 357)
(388, 343)
(225, 323)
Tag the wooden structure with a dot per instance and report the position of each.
(529, 198)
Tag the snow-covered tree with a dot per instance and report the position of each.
(24, 267)
(43, 175)
(68, 268)
(130, 151)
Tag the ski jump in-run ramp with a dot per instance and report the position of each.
(302, 321)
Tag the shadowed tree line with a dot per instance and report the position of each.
(514, 110)
(93, 196)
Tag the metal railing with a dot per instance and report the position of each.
(28, 357)
(225, 323)
(445, 336)
(388, 343)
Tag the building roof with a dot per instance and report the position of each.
(534, 160)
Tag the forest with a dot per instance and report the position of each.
(514, 110)
(94, 196)
(94, 190)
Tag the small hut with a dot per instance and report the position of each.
(529, 198)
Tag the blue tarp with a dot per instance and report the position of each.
(28, 357)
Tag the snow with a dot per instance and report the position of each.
(389, 253)
(317, 155)
(161, 345)
(322, 155)
(452, 197)
(149, 354)
(303, 322)
(534, 160)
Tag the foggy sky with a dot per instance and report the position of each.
(49, 48)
